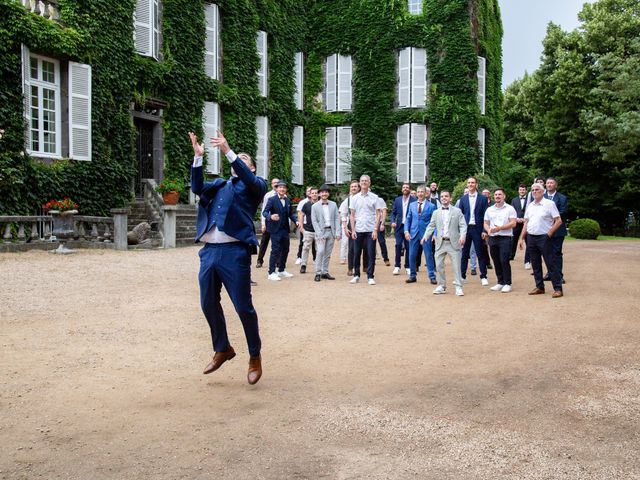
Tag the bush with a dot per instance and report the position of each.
(585, 229)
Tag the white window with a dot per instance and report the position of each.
(146, 32)
(338, 79)
(211, 121)
(412, 77)
(299, 72)
(415, 7)
(45, 102)
(411, 153)
(481, 146)
(337, 155)
(212, 41)
(261, 45)
(262, 154)
(482, 82)
(297, 153)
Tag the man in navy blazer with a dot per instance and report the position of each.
(398, 217)
(557, 240)
(473, 206)
(226, 209)
(416, 224)
(277, 213)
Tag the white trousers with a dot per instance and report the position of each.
(324, 247)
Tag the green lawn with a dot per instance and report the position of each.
(612, 237)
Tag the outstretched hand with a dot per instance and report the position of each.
(198, 149)
(220, 142)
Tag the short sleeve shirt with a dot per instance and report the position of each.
(497, 217)
(540, 216)
(365, 207)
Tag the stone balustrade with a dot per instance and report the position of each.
(45, 8)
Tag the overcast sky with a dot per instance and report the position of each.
(525, 25)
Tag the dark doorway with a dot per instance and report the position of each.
(144, 153)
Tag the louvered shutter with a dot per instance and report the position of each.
(345, 74)
(343, 154)
(26, 92)
(79, 111)
(482, 79)
(297, 165)
(418, 77)
(330, 83)
(402, 153)
(143, 31)
(481, 146)
(212, 41)
(211, 121)
(155, 26)
(330, 156)
(262, 157)
(261, 45)
(418, 153)
(299, 73)
(404, 76)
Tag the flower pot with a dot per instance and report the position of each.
(171, 198)
(63, 228)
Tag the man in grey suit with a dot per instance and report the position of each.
(451, 231)
(326, 224)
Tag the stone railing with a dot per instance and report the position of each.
(154, 201)
(47, 9)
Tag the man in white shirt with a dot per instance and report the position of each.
(345, 214)
(300, 228)
(499, 220)
(365, 221)
(306, 228)
(264, 241)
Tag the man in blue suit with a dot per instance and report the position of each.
(557, 240)
(398, 217)
(277, 213)
(418, 218)
(473, 206)
(226, 209)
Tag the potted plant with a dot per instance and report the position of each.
(62, 212)
(170, 190)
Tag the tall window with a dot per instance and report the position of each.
(411, 153)
(212, 41)
(297, 153)
(261, 45)
(338, 89)
(482, 81)
(412, 77)
(481, 146)
(146, 32)
(262, 154)
(337, 154)
(211, 121)
(414, 6)
(299, 73)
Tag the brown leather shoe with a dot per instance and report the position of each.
(557, 294)
(218, 359)
(536, 291)
(255, 370)
(387, 263)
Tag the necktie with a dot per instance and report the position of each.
(419, 208)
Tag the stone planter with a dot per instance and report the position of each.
(171, 198)
(63, 228)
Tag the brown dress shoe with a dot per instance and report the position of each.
(536, 291)
(218, 359)
(387, 262)
(255, 370)
(557, 294)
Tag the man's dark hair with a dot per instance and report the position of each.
(535, 180)
(251, 160)
(522, 185)
(445, 191)
(499, 189)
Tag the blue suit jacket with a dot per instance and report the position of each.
(274, 205)
(230, 204)
(563, 204)
(417, 224)
(481, 206)
(396, 212)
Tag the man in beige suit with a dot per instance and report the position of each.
(451, 230)
(327, 228)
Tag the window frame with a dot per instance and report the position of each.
(410, 147)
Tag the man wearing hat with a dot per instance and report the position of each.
(277, 213)
(326, 224)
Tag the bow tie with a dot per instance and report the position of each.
(445, 208)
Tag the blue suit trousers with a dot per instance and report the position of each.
(474, 235)
(400, 243)
(280, 243)
(414, 249)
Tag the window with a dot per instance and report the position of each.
(262, 154)
(261, 45)
(338, 91)
(297, 152)
(212, 41)
(47, 101)
(211, 121)
(481, 145)
(299, 72)
(412, 77)
(482, 80)
(415, 7)
(411, 153)
(146, 32)
(337, 155)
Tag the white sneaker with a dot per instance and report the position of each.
(354, 280)
(497, 287)
(285, 274)
(484, 282)
(527, 266)
(371, 281)
(464, 280)
(298, 261)
(506, 289)
(459, 292)
(408, 270)
(274, 276)
(439, 290)
(396, 271)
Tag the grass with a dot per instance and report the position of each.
(610, 237)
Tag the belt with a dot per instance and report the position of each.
(327, 228)
(446, 239)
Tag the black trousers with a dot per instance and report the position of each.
(540, 247)
(500, 248)
(364, 242)
(264, 243)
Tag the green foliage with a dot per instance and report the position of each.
(170, 185)
(484, 181)
(380, 168)
(585, 229)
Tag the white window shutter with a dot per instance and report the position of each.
(155, 27)
(330, 156)
(343, 171)
(418, 153)
(345, 74)
(261, 45)
(299, 73)
(402, 153)
(212, 41)
(481, 146)
(297, 166)
(79, 111)
(418, 77)
(143, 31)
(330, 83)
(26, 92)
(211, 122)
(482, 81)
(404, 77)
(262, 156)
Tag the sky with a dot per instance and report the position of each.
(525, 26)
